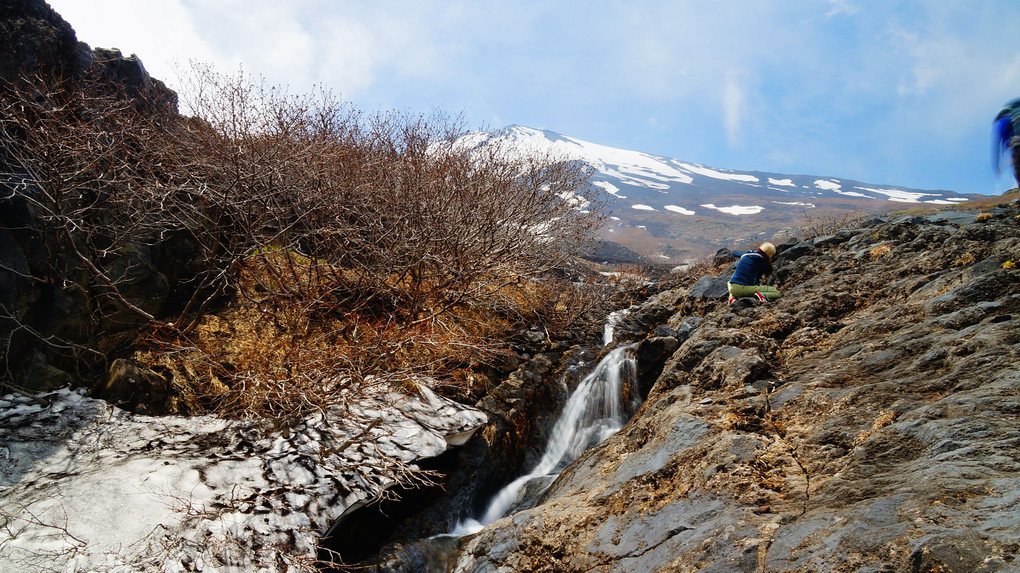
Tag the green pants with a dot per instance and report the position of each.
(771, 293)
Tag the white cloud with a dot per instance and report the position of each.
(733, 110)
(841, 7)
(160, 33)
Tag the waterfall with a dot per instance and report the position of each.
(595, 411)
(614, 318)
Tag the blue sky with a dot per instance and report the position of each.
(883, 91)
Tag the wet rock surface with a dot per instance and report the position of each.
(866, 422)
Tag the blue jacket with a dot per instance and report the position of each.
(750, 268)
(1005, 127)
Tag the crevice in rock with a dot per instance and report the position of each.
(669, 535)
(358, 537)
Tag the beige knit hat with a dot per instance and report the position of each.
(769, 249)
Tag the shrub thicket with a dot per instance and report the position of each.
(339, 246)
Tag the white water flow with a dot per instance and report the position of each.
(595, 411)
(614, 318)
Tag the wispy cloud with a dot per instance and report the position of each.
(837, 7)
(734, 100)
(884, 92)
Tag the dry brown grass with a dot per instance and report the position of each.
(879, 251)
(885, 417)
(279, 355)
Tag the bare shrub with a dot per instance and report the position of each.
(83, 175)
(817, 226)
(349, 245)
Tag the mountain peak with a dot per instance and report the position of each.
(665, 205)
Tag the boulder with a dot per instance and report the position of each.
(37, 374)
(34, 39)
(640, 321)
(135, 388)
(710, 287)
(651, 354)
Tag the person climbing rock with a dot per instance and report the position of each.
(751, 267)
(1006, 137)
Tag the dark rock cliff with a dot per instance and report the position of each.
(865, 422)
(46, 319)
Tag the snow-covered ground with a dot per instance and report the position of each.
(86, 486)
(652, 179)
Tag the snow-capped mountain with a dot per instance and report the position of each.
(671, 208)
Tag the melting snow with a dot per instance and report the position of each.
(575, 200)
(898, 195)
(737, 209)
(86, 486)
(795, 204)
(610, 188)
(641, 207)
(677, 209)
(782, 182)
(827, 185)
(852, 194)
(716, 174)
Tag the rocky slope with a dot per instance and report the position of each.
(866, 422)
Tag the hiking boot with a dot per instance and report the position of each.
(761, 298)
(732, 300)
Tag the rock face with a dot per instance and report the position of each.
(866, 422)
(40, 282)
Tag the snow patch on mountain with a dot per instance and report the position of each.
(714, 174)
(897, 194)
(677, 209)
(851, 193)
(641, 207)
(575, 200)
(737, 209)
(644, 178)
(609, 188)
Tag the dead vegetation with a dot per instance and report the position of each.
(309, 249)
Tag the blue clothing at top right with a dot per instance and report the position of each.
(1006, 137)
(751, 267)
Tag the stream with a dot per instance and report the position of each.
(597, 409)
(599, 406)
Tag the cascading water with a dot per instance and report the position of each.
(610, 329)
(597, 409)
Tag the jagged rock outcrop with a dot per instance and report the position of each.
(866, 422)
(40, 282)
